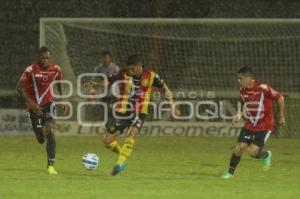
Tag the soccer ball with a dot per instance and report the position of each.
(90, 161)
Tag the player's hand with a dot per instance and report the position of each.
(93, 95)
(175, 111)
(281, 121)
(236, 119)
(91, 84)
(36, 108)
(137, 122)
(65, 109)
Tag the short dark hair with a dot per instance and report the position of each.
(42, 50)
(246, 70)
(133, 59)
(104, 53)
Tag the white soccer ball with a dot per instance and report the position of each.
(90, 161)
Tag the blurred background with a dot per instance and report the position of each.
(198, 50)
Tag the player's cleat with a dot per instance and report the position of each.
(227, 175)
(118, 168)
(51, 170)
(267, 162)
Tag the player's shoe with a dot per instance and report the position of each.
(118, 168)
(267, 162)
(227, 175)
(51, 170)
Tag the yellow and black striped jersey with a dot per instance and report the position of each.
(135, 92)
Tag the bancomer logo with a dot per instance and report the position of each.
(168, 128)
(193, 129)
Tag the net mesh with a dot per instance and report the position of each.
(188, 54)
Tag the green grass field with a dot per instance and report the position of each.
(161, 167)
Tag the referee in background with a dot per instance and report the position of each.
(108, 68)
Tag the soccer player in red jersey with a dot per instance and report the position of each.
(34, 85)
(257, 100)
(132, 107)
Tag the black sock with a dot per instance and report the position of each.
(51, 149)
(234, 161)
(263, 154)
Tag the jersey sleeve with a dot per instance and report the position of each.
(270, 92)
(25, 79)
(158, 82)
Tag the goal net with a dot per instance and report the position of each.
(197, 55)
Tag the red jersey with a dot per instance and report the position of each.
(258, 102)
(37, 81)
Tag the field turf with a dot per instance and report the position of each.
(160, 167)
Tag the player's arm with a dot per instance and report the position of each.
(59, 84)
(96, 83)
(239, 115)
(159, 83)
(281, 105)
(169, 97)
(278, 97)
(21, 87)
(22, 93)
(59, 87)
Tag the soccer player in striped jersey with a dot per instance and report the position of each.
(132, 107)
(257, 99)
(34, 85)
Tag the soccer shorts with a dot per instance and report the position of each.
(250, 137)
(122, 121)
(38, 121)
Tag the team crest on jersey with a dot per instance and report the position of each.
(145, 82)
(45, 78)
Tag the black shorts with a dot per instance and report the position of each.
(118, 125)
(38, 121)
(257, 138)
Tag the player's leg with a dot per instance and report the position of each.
(126, 151)
(50, 146)
(244, 140)
(111, 143)
(51, 142)
(127, 148)
(113, 129)
(49, 126)
(235, 159)
(37, 126)
(256, 149)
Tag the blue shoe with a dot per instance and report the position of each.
(118, 168)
